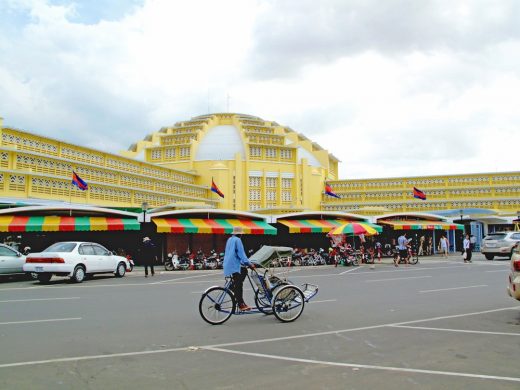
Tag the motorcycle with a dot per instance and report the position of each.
(212, 260)
(172, 262)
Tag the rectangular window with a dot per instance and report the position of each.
(256, 151)
(254, 181)
(271, 182)
(270, 153)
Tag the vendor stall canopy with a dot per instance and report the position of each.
(211, 226)
(317, 225)
(65, 224)
(422, 225)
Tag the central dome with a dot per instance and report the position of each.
(221, 143)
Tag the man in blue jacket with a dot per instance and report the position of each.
(235, 266)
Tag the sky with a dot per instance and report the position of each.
(389, 87)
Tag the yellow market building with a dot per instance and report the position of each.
(261, 167)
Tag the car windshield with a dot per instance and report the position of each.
(61, 247)
(497, 236)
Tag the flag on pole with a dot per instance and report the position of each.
(328, 191)
(419, 194)
(215, 189)
(79, 182)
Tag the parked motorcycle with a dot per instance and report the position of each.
(172, 262)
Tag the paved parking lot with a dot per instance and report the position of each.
(438, 324)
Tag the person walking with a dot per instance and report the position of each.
(466, 245)
(402, 247)
(149, 255)
(444, 245)
(235, 266)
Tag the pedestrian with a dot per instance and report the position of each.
(402, 247)
(149, 255)
(444, 245)
(429, 246)
(235, 266)
(467, 249)
(421, 246)
(472, 241)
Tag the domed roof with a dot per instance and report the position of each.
(220, 143)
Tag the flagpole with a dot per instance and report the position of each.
(70, 197)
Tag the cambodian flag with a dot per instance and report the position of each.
(328, 191)
(215, 189)
(79, 182)
(419, 194)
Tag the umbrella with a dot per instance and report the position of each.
(357, 228)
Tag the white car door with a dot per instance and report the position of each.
(105, 259)
(10, 261)
(89, 257)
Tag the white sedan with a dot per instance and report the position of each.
(11, 261)
(76, 260)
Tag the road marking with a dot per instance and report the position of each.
(91, 357)
(368, 366)
(324, 300)
(453, 288)
(151, 352)
(35, 321)
(177, 279)
(347, 271)
(456, 330)
(391, 279)
(499, 270)
(39, 299)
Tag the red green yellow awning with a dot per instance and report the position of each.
(65, 224)
(311, 225)
(422, 225)
(216, 226)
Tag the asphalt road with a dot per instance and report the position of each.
(441, 324)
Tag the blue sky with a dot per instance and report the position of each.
(391, 88)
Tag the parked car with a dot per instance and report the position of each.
(77, 260)
(514, 277)
(499, 244)
(11, 261)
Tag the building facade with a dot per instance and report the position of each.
(259, 166)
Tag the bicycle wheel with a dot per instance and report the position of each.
(262, 303)
(414, 259)
(216, 305)
(288, 303)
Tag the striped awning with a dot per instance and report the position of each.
(216, 226)
(422, 225)
(311, 225)
(65, 224)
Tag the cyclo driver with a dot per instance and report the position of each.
(235, 266)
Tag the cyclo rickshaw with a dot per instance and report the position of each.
(273, 294)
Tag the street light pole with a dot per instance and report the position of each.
(144, 207)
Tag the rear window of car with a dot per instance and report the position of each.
(497, 236)
(61, 247)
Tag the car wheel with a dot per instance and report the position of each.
(78, 275)
(44, 278)
(489, 257)
(121, 270)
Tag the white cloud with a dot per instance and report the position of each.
(435, 93)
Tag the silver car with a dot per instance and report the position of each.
(499, 244)
(11, 261)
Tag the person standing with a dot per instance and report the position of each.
(235, 266)
(402, 247)
(149, 255)
(421, 246)
(466, 245)
(429, 246)
(444, 245)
